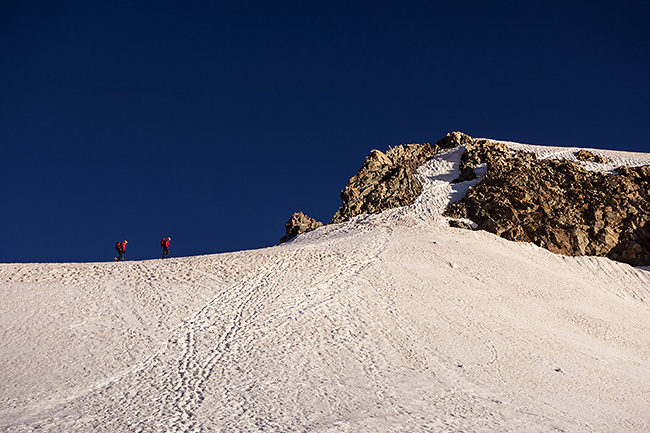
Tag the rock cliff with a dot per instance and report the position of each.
(387, 180)
(559, 205)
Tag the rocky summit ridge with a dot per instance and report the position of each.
(559, 205)
(384, 181)
(555, 204)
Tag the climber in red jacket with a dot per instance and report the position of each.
(165, 244)
(120, 247)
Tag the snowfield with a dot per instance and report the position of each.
(389, 323)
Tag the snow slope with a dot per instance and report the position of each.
(388, 323)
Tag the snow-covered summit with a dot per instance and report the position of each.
(391, 322)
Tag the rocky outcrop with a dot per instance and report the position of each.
(387, 180)
(453, 139)
(559, 205)
(587, 156)
(297, 224)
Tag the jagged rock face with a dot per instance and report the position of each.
(387, 180)
(297, 224)
(559, 205)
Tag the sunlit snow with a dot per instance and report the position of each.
(392, 322)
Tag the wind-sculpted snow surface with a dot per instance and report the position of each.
(392, 322)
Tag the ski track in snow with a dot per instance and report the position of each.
(391, 322)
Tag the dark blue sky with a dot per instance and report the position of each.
(212, 122)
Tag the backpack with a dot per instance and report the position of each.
(118, 246)
(162, 242)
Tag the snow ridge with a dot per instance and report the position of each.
(390, 322)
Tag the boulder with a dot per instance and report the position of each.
(299, 223)
(587, 156)
(453, 139)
